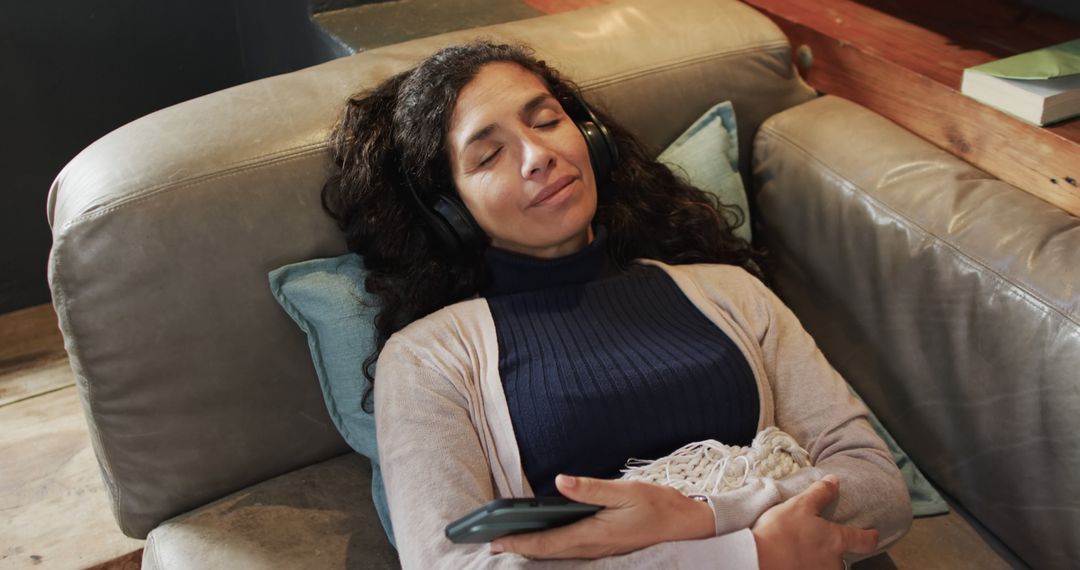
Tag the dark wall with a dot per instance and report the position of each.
(1069, 9)
(74, 70)
(328, 5)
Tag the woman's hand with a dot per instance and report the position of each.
(793, 535)
(636, 515)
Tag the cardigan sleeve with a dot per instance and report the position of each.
(813, 404)
(435, 470)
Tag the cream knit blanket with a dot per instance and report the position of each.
(710, 467)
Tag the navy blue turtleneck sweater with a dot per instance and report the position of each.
(601, 365)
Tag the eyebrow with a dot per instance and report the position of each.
(526, 109)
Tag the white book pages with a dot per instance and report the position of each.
(1038, 101)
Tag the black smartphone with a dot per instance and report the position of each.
(511, 516)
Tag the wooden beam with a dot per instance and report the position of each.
(911, 75)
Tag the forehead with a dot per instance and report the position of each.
(497, 88)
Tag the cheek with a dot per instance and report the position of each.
(489, 198)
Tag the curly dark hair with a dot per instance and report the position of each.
(399, 129)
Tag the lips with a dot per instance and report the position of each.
(551, 190)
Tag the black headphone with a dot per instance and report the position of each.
(456, 229)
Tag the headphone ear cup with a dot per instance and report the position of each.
(450, 221)
(444, 233)
(603, 153)
(459, 229)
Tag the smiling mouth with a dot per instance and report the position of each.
(551, 190)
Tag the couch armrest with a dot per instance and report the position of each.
(948, 299)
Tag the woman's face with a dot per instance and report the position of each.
(520, 164)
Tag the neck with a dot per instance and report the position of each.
(512, 272)
(571, 246)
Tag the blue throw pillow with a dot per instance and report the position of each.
(707, 156)
(327, 300)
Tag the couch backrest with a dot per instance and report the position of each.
(195, 383)
(949, 299)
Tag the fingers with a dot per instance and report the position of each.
(561, 542)
(529, 544)
(558, 542)
(857, 540)
(820, 494)
(587, 538)
(603, 492)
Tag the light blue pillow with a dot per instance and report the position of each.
(707, 156)
(327, 300)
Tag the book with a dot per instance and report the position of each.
(1041, 86)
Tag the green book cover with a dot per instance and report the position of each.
(1055, 61)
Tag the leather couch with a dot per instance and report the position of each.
(947, 298)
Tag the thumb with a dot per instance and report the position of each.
(820, 494)
(601, 492)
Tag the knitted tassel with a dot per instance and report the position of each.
(710, 467)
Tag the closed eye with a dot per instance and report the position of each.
(548, 124)
(487, 159)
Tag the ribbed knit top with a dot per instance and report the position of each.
(600, 365)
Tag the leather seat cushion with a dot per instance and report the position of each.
(317, 517)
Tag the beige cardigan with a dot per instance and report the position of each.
(447, 445)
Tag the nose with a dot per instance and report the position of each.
(536, 157)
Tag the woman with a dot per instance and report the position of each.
(554, 303)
